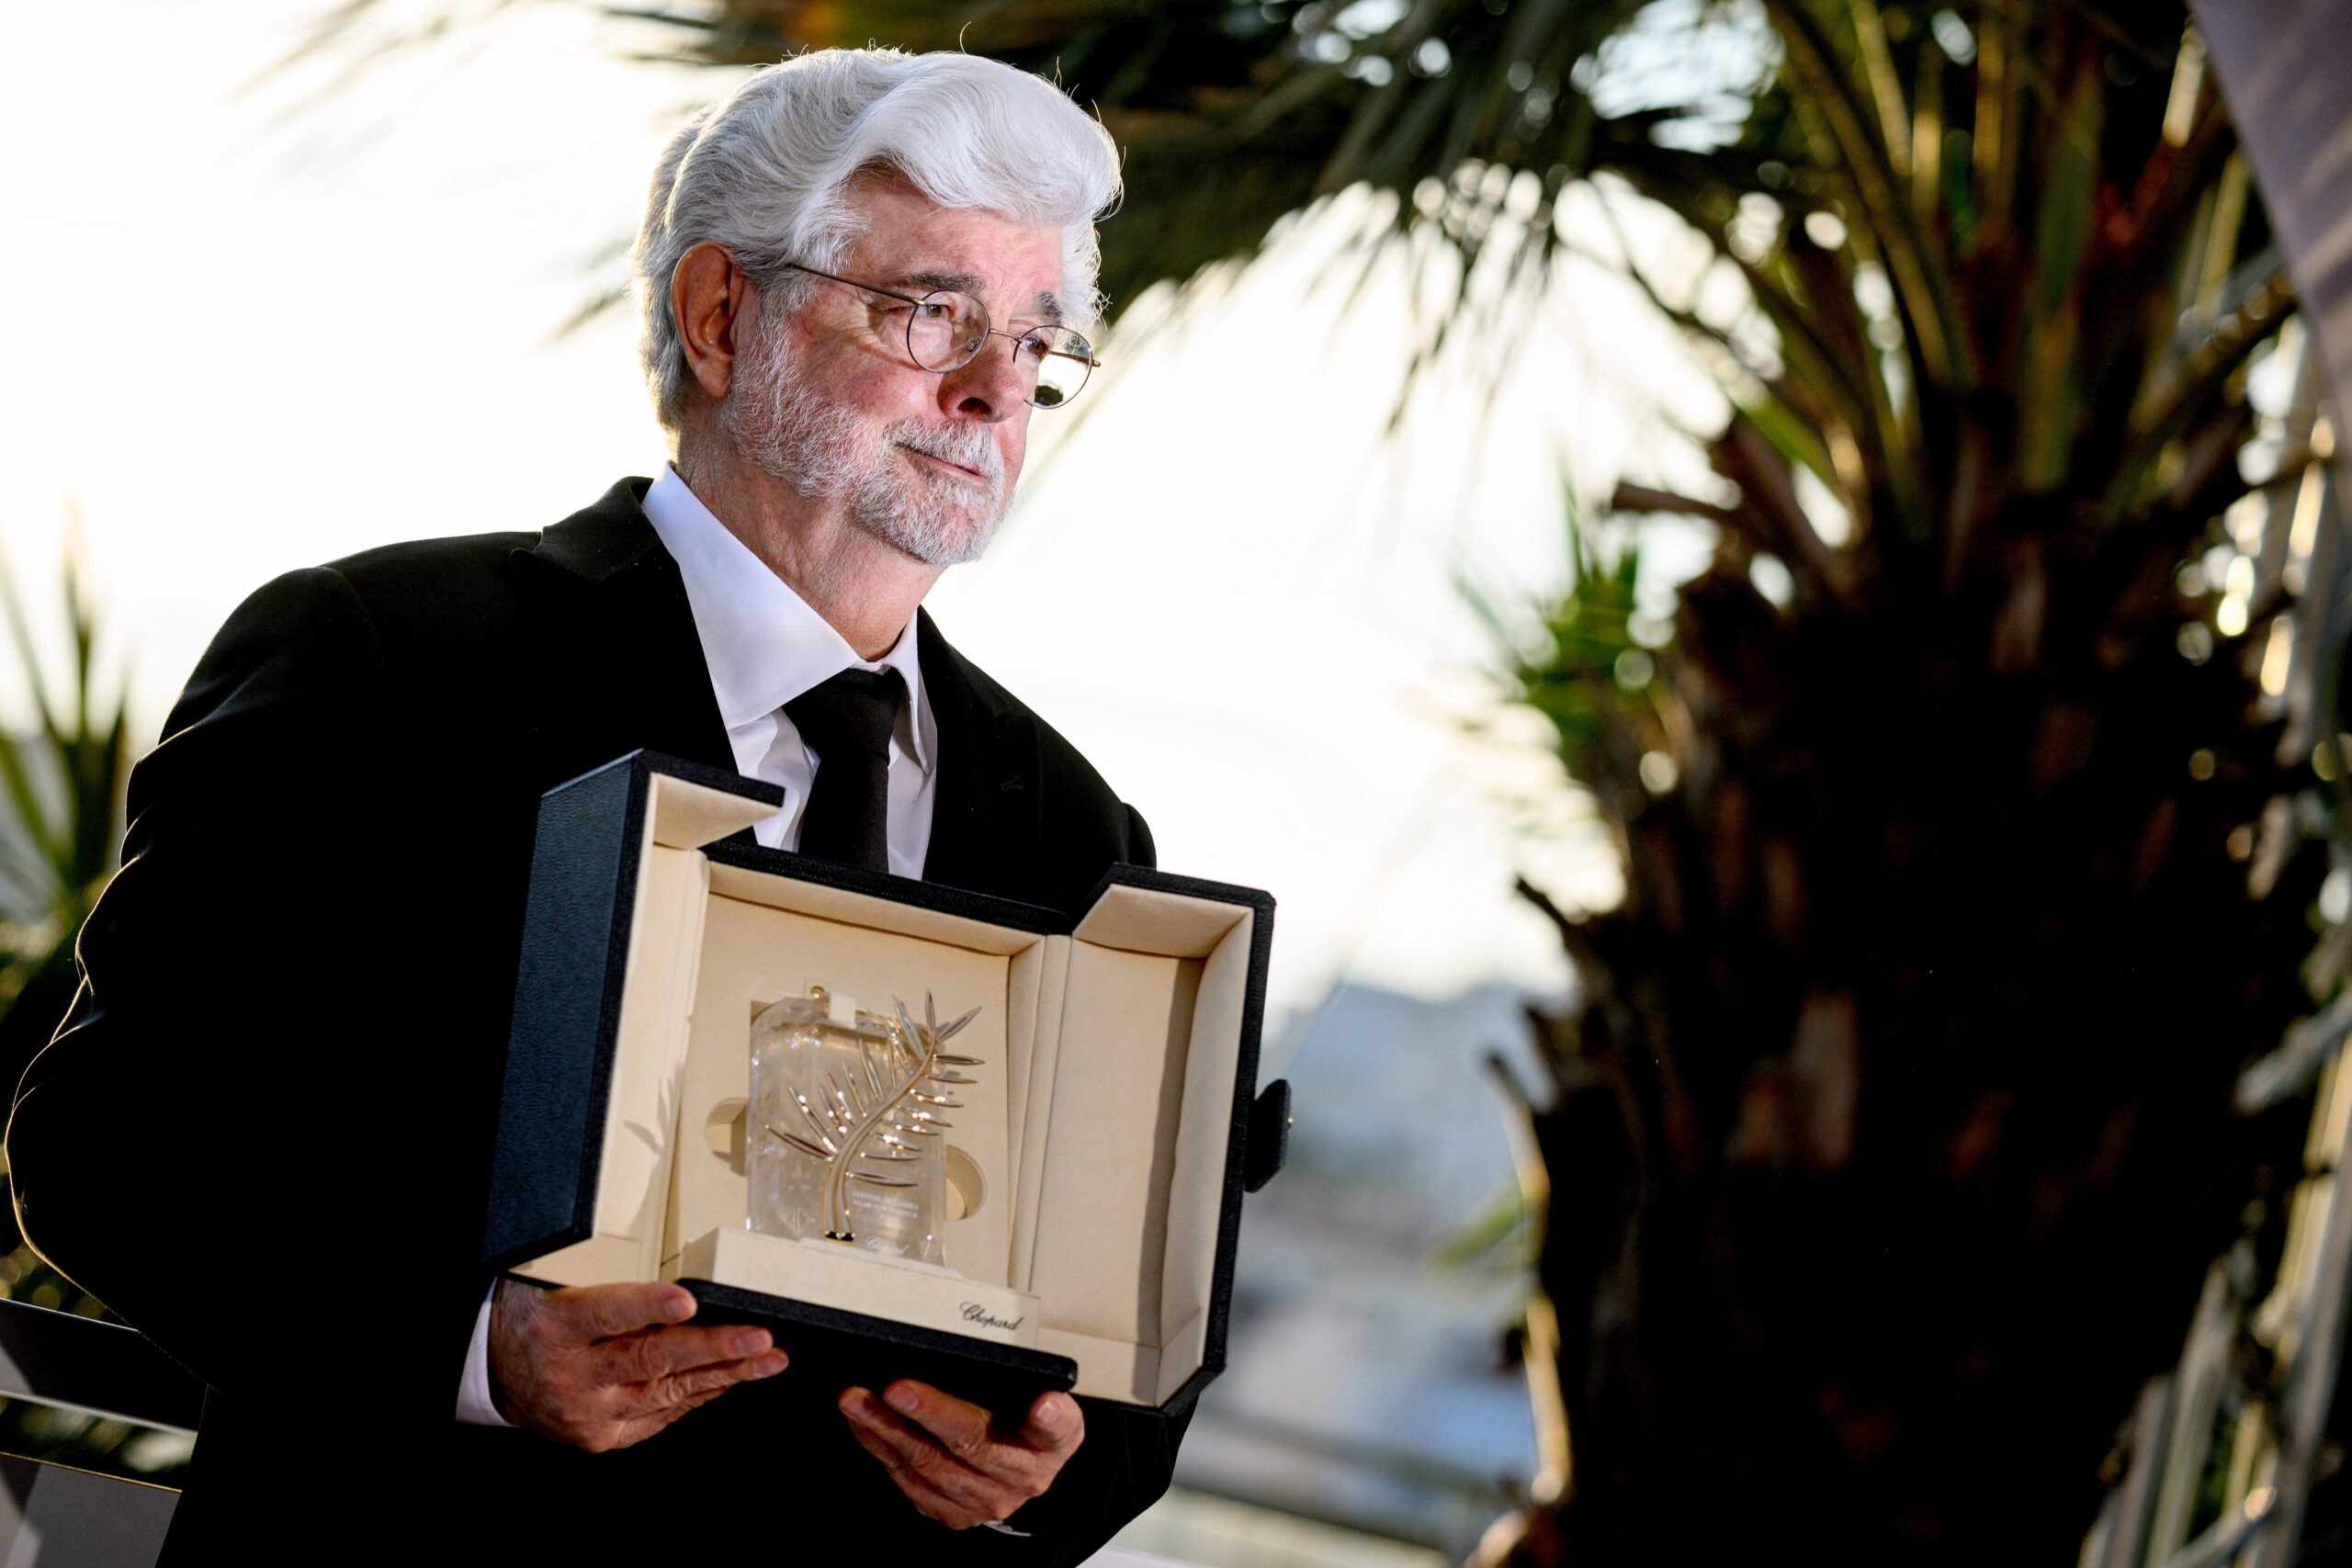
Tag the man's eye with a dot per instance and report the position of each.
(932, 311)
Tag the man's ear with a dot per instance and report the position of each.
(708, 295)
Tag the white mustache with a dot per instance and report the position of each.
(964, 446)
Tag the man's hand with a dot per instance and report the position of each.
(949, 1461)
(601, 1367)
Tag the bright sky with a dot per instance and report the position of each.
(241, 342)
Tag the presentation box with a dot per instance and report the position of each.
(1099, 1154)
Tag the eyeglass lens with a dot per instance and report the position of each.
(946, 332)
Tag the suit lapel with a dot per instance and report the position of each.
(985, 823)
(620, 664)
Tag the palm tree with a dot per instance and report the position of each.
(61, 840)
(1970, 804)
(60, 820)
(61, 790)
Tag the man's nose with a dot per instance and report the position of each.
(991, 387)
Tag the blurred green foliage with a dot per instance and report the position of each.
(61, 790)
(61, 837)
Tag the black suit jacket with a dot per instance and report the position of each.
(262, 1133)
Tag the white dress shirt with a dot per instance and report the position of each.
(764, 646)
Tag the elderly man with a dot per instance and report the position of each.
(263, 1134)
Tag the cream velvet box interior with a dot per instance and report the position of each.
(1096, 1164)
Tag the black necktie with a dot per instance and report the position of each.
(847, 722)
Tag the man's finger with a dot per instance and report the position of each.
(1055, 1424)
(654, 1354)
(948, 1474)
(601, 1312)
(637, 1430)
(961, 1426)
(689, 1389)
(933, 1503)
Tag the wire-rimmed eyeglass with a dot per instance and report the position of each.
(946, 331)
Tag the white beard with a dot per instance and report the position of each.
(827, 451)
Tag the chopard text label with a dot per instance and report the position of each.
(974, 1312)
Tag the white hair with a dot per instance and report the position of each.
(766, 174)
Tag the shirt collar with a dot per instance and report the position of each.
(763, 644)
